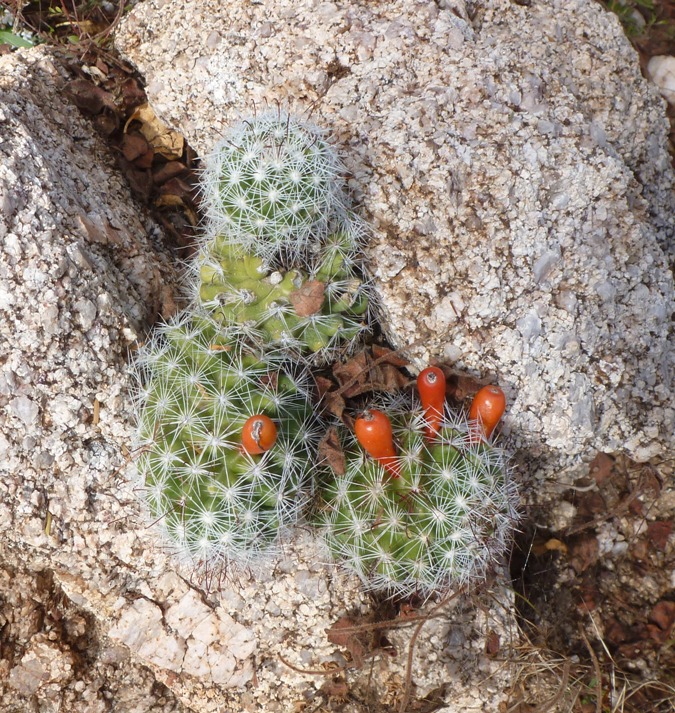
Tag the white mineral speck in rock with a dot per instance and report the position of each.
(661, 70)
(63, 410)
(86, 313)
(562, 515)
(25, 409)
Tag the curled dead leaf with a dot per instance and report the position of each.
(330, 452)
(88, 97)
(164, 140)
(308, 299)
(363, 373)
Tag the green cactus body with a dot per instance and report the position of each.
(199, 383)
(442, 524)
(272, 184)
(312, 312)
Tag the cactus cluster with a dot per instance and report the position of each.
(276, 283)
(227, 425)
(439, 521)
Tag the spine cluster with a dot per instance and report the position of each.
(227, 422)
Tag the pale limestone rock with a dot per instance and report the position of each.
(68, 501)
(141, 628)
(514, 163)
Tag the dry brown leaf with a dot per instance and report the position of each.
(140, 182)
(323, 385)
(331, 452)
(661, 621)
(336, 687)
(134, 145)
(556, 545)
(145, 160)
(389, 356)
(659, 533)
(88, 27)
(333, 403)
(308, 299)
(355, 643)
(88, 97)
(584, 553)
(133, 94)
(492, 644)
(353, 370)
(165, 172)
(460, 386)
(601, 468)
(168, 200)
(362, 374)
(164, 140)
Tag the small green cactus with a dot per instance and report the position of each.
(272, 185)
(441, 524)
(300, 312)
(199, 384)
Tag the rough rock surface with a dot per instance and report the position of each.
(514, 164)
(109, 621)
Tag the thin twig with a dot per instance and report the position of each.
(411, 649)
(311, 671)
(397, 623)
(596, 668)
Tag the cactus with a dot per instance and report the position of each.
(312, 312)
(272, 186)
(440, 520)
(199, 384)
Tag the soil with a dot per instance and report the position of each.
(592, 570)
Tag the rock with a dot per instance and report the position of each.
(661, 70)
(81, 280)
(514, 164)
(58, 662)
(43, 664)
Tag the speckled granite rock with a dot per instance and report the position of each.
(514, 163)
(54, 659)
(81, 275)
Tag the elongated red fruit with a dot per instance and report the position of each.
(373, 431)
(431, 388)
(487, 408)
(258, 435)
